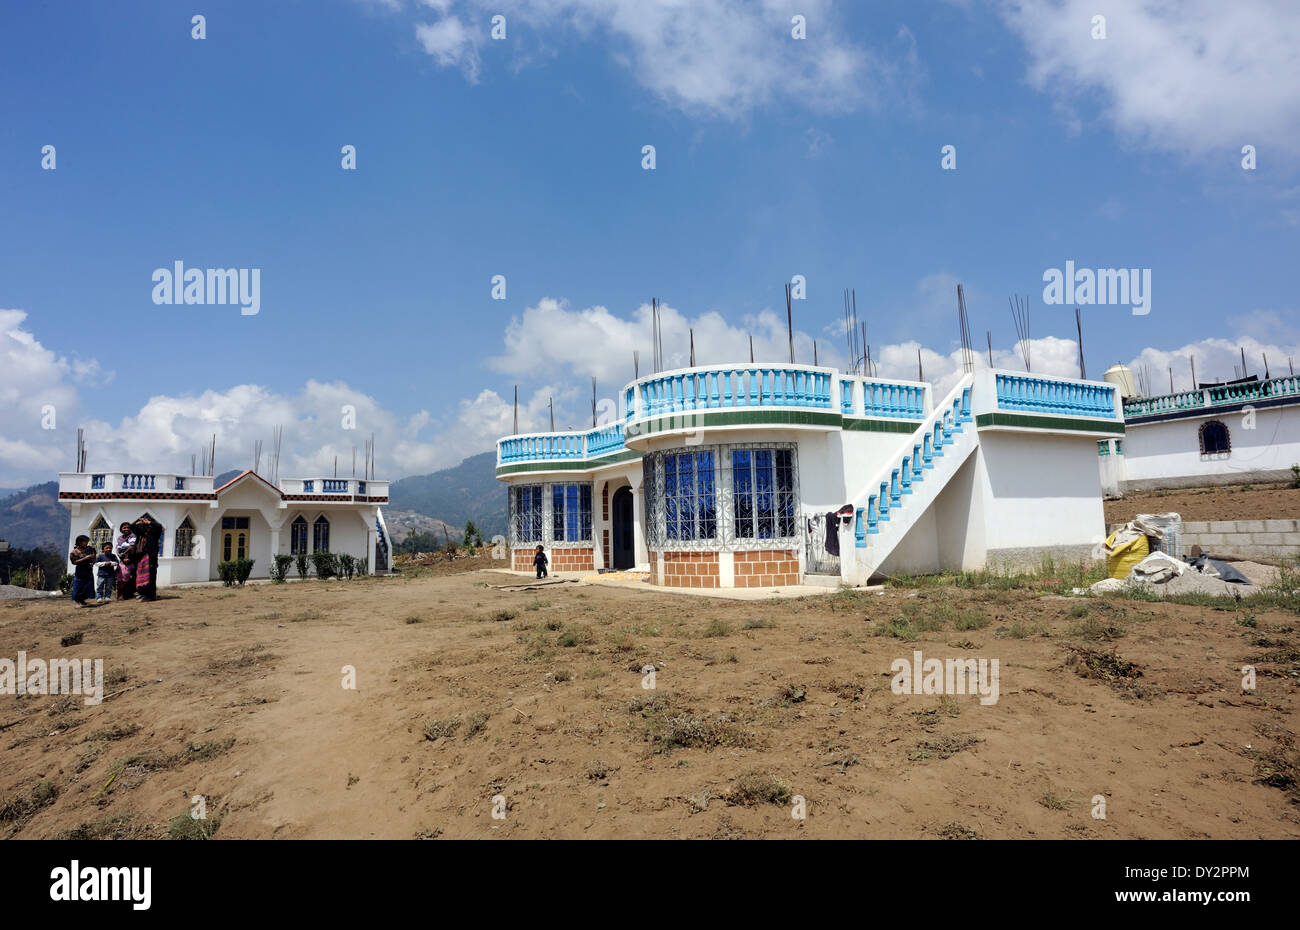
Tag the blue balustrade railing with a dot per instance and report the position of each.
(334, 485)
(561, 447)
(1044, 395)
(309, 487)
(138, 482)
(96, 482)
(1219, 395)
(725, 388)
(846, 398)
(899, 401)
(605, 440)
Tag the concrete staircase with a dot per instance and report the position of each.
(902, 491)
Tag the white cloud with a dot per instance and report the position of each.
(551, 339)
(723, 57)
(168, 429)
(452, 45)
(1189, 77)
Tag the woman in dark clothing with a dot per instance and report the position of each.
(124, 544)
(145, 552)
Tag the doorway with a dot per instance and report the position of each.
(235, 538)
(623, 546)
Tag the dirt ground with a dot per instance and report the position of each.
(468, 698)
(1239, 502)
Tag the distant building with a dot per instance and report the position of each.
(247, 517)
(1239, 433)
(735, 475)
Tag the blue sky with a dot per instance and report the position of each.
(522, 157)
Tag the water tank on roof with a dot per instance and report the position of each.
(1122, 377)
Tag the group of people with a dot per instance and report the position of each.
(129, 564)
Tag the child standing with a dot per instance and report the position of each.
(539, 560)
(106, 567)
(82, 558)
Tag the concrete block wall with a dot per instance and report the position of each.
(1240, 538)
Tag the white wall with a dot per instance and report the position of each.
(1168, 453)
(1038, 490)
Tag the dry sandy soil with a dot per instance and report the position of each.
(1239, 502)
(466, 693)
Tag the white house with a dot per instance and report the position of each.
(1228, 434)
(736, 476)
(247, 517)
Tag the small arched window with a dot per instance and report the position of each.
(321, 535)
(162, 531)
(1215, 439)
(183, 548)
(298, 536)
(100, 533)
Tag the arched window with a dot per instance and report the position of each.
(298, 536)
(321, 535)
(1215, 439)
(183, 548)
(100, 533)
(161, 531)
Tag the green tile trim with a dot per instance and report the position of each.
(569, 464)
(689, 421)
(860, 424)
(1037, 422)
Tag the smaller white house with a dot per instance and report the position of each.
(1245, 432)
(247, 517)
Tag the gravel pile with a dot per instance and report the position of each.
(13, 592)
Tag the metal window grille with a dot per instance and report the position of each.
(100, 533)
(526, 514)
(321, 535)
(722, 497)
(183, 547)
(298, 537)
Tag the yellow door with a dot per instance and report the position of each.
(234, 545)
(236, 538)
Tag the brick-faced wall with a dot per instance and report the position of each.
(561, 560)
(766, 568)
(688, 570)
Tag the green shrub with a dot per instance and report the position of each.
(65, 584)
(300, 564)
(235, 572)
(280, 570)
(243, 568)
(347, 565)
(226, 571)
(325, 563)
(18, 578)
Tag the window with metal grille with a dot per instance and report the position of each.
(571, 513)
(100, 533)
(526, 513)
(298, 536)
(690, 496)
(184, 546)
(1214, 438)
(763, 493)
(321, 535)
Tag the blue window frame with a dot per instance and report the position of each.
(298, 536)
(763, 493)
(527, 513)
(571, 512)
(690, 496)
(321, 534)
